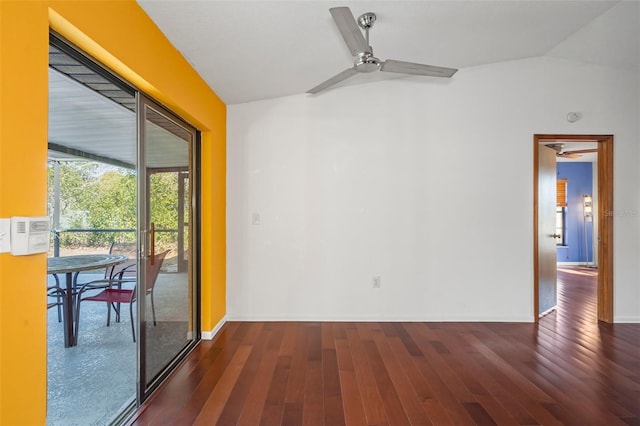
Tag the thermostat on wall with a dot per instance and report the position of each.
(29, 235)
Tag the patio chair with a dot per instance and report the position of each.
(129, 267)
(123, 270)
(114, 294)
(57, 292)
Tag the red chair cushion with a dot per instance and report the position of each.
(112, 295)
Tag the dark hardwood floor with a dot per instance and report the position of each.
(568, 369)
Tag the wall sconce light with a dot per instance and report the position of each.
(587, 204)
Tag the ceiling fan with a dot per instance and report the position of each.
(363, 53)
(561, 152)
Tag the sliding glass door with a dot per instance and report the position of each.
(122, 183)
(166, 225)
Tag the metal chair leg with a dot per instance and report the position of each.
(153, 310)
(77, 317)
(133, 327)
(58, 298)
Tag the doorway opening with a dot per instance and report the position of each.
(545, 232)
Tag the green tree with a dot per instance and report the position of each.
(164, 205)
(95, 197)
(112, 205)
(76, 177)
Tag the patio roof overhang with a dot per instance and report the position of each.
(92, 118)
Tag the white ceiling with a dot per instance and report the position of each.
(253, 50)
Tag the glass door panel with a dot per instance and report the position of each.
(167, 312)
(92, 202)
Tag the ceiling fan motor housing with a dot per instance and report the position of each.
(366, 20)
(366, 62)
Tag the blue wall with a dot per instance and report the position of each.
(580, 176)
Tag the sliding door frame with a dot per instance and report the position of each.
(145, 389)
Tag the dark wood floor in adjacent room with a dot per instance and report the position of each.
(568, 369)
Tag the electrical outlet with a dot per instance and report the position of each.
(376, 281)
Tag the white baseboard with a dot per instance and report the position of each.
(547, 312)
(209, 335)
(381, 318)
(626, 320)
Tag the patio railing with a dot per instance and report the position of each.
(173, 242)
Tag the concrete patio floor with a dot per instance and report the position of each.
(92, 382)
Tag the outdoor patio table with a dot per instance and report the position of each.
(69, 265)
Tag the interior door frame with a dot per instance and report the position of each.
(604, 218)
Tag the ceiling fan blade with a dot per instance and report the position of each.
(349, 29)
(350, 72)
(580, 151)
(417, 69)
(570, 155)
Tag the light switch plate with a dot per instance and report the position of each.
(5, 235)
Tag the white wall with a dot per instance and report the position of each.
(427, 184)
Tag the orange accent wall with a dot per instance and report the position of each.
(23, 158)
(141, 55)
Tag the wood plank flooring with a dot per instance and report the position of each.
(568, 369)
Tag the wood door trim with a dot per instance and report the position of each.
(605, 219)
(605, 229)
